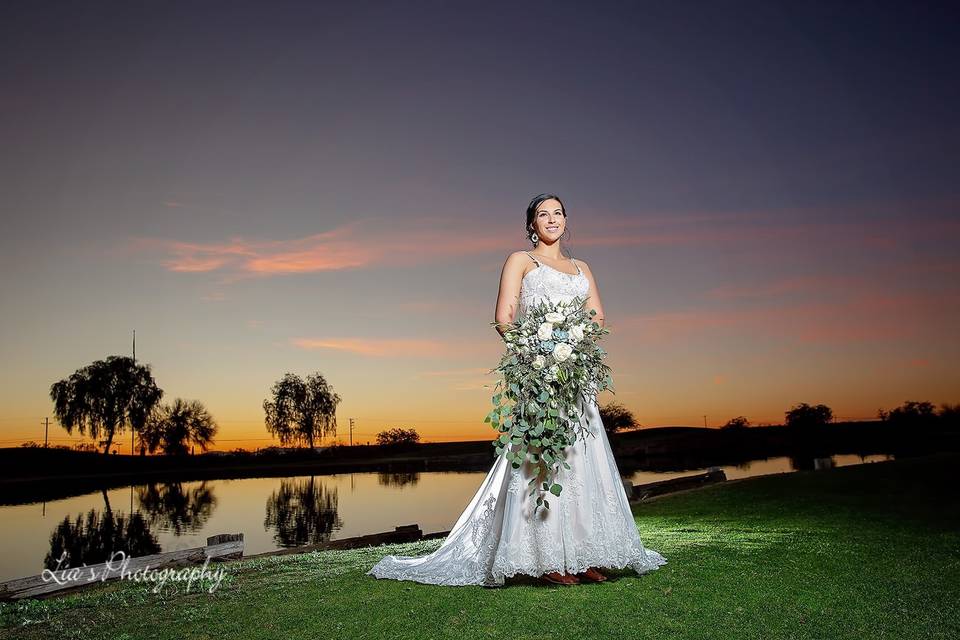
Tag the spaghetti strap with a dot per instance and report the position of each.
(540, 264)
(576, 265)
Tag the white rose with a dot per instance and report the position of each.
(539, 362)
(545, 332)
(562, 351)
(554, 317)
(576, 332)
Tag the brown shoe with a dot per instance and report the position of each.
(561, 578)
(592, 575)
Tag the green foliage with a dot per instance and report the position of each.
(552, 364)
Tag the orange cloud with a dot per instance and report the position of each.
(357, 244)
(387, 347)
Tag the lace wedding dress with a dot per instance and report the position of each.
(497, 536)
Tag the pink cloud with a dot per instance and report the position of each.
(429, 239)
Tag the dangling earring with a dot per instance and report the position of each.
(534, 238)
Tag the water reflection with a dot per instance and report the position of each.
(94, 538)
(302, 511)
(764, 466)
(400, 479)
(169, 506)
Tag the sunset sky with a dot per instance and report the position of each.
(769, 199)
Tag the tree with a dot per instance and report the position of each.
(175, 427)
(949, 417)
(398, 436)
(740, 422)
(301, 411)
(914, 414)
(104, 397)
(616, 417)
(803, 415)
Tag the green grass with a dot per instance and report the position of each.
(871, 551)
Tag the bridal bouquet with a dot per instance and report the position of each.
(552, 358)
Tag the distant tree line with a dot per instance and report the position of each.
(915, 414)
(109, 397)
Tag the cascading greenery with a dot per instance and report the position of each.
(552, 361)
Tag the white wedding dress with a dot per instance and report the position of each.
(497, 536)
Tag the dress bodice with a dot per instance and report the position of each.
(543, 283)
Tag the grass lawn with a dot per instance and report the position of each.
(870, 551)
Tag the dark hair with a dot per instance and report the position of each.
(535, 204)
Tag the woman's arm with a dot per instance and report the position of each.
(593, 295)
(508, 298)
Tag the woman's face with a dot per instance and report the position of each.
(549, 221)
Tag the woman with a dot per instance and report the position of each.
(501, 533)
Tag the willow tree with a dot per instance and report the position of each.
(105, 398)
(301, 410)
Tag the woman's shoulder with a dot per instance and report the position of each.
(524, 254)
(519, 254)
(582, 263)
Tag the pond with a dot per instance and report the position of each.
(272, 513)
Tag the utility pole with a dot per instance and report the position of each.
(132, 433)
(46, 431)
(704, 420)
(351, 432)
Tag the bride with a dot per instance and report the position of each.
(590, 525)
